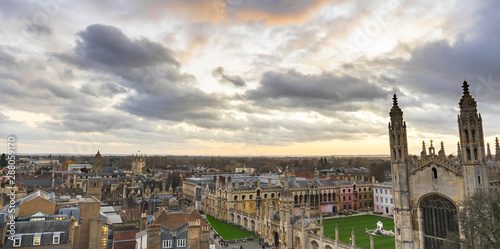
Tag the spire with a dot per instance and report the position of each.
(316, 174)
(489, 157)
(497, 149)
(441, 152)
(467, 103)
(395, 111)
(432, 151)
(423, 154)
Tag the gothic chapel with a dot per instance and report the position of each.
(429, 190)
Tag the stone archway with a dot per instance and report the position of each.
(252, 225)
(238, 220)
(245, 223)
(439, 218)
(232, 218)
(314, 245)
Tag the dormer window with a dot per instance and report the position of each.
(17, 241)
(56, 239)
(37, 239)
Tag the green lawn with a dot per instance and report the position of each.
(360, 223)
(228, 232)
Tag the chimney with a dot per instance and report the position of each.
(144, 222)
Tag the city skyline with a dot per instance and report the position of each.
(240, 77)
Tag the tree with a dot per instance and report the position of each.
(479, 222)
(67, 163)
(3, 160)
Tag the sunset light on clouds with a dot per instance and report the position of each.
(242, 77)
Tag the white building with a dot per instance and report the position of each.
(383, 201)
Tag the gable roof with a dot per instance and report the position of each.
(178, 218)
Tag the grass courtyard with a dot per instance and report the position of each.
(226, 231)
(360, 223)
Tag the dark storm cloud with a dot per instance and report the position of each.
(317, 92)
(222, 77)
(162, 91)
(439, 67)
(107, 46)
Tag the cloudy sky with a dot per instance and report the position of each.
(242, 77)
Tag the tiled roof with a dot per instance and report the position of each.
(176, 219)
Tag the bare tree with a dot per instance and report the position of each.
(479, 222)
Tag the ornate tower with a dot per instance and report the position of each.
(399, 154)
(473, 159)
(98, 162)
(138, 163)
(286, 211)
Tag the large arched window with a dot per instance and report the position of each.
(439, 218)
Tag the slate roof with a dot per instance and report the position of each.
(26, 231)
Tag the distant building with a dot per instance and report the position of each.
(78, 167)
(383, 200)
(174, 229)
(245, 170)
(139, 164)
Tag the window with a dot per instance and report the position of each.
(56, 238)
(344, 198)
(434, 173)
(37, 238)
(17, 242)
(181, 243)
(386, 191)
(235, 198)
(167, 244)
(349, 197)
(376, 191)
(272, 195)
(343, 190)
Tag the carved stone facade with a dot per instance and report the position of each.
(139, 164)
(284, 213)
(429, 190)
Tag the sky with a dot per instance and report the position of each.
(242, 77)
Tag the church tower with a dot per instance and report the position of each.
(98, 162)
(473, 155)
(399, 154)
(138, 163)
